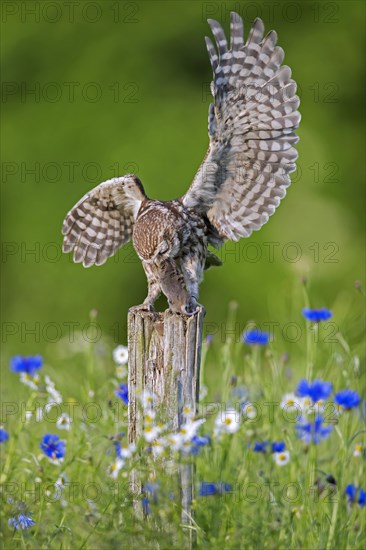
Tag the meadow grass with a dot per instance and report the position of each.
(249, 499)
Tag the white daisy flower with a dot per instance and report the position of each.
(63, 422)
(127, 452)
(291, 402)
(149, 416)
(227, 422)
(190, 429)
(357, 450)
(306, 405)
(114, 468)
(120, 355)
(121, 371)
(249, 411)
(30, 381)
(55, 396)
(175, 441)
(317, 408)
(158, 447)
(147, 400)
(188, 412)
(297, 511)
(60, 484)
(186, 447)
(282, 458)
(151, 432)
(337, 409)
(61, 481)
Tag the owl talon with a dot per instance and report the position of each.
(142, 307)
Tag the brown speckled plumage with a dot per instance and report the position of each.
(239, 184)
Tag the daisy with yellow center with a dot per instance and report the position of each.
(358, 449)
(249, 411)
(282, 458)
(338, 409)
(149, 417)
(114, 468)
(227, 422)
(291, 402)
(121, 371)
(30, 381)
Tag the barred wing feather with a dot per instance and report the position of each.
(99, 224)
(251, 129)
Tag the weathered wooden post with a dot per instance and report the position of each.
(164, 359)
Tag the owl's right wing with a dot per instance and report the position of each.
(99, 224)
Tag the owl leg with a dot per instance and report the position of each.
(154, 289)
(192, 268)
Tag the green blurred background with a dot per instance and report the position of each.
(123, 86)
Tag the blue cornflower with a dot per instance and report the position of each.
(199, 441)
(152, 489)
(53, 447)
(21, 522)
(362, 498)
(347, 399)
(207, 488)
(256, 336)
(317, 390)
(149, 489)
(146, 506)
(260, 446)
(317, 315)
(4, 436)
(278, 446)
(118, 448)
(29, 365)
(122, 393)
(313, 432)
(352, 491)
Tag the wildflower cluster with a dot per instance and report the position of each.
(165, 442)
(123, 454)
(280, 454)
(310, 399)
(223, 455)
(355, 495)
(27, 368)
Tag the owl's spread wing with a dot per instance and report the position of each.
(251, 129)
(99, 224)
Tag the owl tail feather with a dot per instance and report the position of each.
(212, 260)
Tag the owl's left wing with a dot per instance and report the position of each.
(99, 224)
(251, 128)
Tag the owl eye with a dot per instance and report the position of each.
(163, 249)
